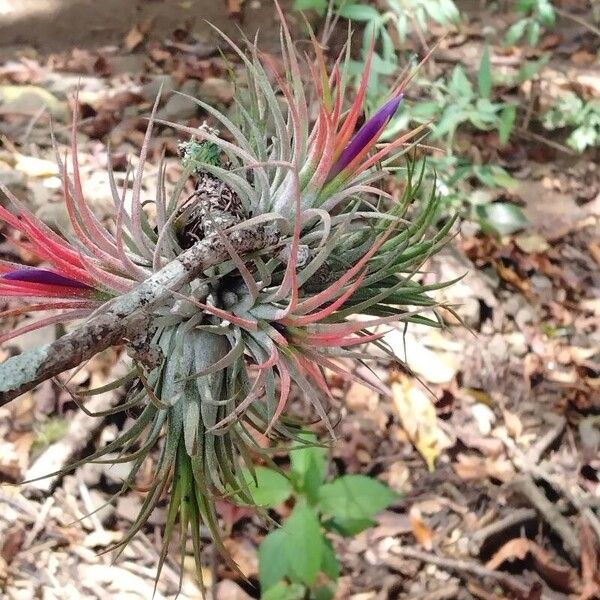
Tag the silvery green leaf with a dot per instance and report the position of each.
(191, 423)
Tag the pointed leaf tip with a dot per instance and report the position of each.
(366, 135)
(43, 277)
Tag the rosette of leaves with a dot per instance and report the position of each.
(215, 360)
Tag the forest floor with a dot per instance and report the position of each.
(507, 411)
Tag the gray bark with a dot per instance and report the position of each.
(125, 315)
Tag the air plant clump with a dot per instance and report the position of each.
(308, 257)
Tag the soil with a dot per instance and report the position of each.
(55, 25)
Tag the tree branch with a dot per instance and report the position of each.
(125, 314)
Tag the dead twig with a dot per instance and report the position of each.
(144, 546)
(463, 567)
(21, 504)
(81, 430)
(39, 524)
(573, 494)
(88, 504)
(535, 90)
(482, 593)
(481, 536)
(548, 511)
(579, 20)
(34, 119)
(530, 135)
(445, 592)
(534, 455)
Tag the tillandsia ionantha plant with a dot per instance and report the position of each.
(282, 262)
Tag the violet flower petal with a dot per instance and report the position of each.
(365, 135)
(44, 277)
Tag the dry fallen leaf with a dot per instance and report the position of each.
(133, 39)
(484, 594)
(422, 532)
(560, 577)
(471, 468)
(490, 447)
(390, 524)
(101, 538)
(231, 513)
(29, 99)
(590, 561)
(13, 540)
(191, 577)
(10, 470)
(419, 420)
(550, 41)
(431, 356)
(36, 167)
(531, 242)
(594, 248)
(511, 277)
(244, 555)
(579, 355)
(137, 34)
(359, 397)
(484, 417)
(234, 9)
(116, 581)
(229, 590)
(589, 432)
(583, 58)
(514, 426)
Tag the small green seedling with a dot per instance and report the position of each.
(456, 102)
(297, 560)
(537, 14)
(584, 117)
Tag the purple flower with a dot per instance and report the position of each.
(365, 135)
(44, 277)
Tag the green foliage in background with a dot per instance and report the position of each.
(573, 112)
(297, 560)
(536, 15)
(49, 431)
(461, 101)
(395, 17)
(457, 101)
